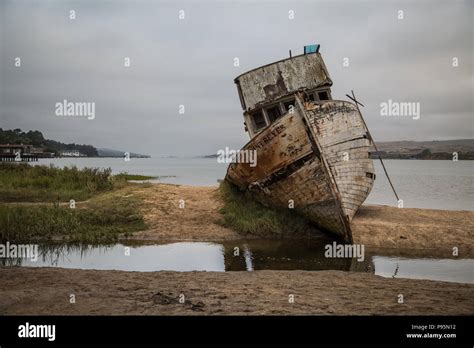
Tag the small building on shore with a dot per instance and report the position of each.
(22, 153)
(12, 149)
(41, 153)
(16, 153)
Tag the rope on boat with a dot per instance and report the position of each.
(357, 103)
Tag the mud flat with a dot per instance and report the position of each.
(374, 226)
(47, 291)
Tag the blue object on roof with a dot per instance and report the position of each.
(311, 48)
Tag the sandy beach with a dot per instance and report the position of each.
(402, 231)
(47, 291)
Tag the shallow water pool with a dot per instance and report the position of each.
(243, 255)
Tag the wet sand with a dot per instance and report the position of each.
(47, 291)
(408, 228)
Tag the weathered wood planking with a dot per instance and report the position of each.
(281, 144)
(317, 157)
(270, 82)
(346, 147)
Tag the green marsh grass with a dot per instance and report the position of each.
(249, 217)
(100, 220)
(34, 204)
(134, 177)
(20, 182)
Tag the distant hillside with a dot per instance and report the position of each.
(36, 139)
(438, 150)
(407, 149)
(102, 152)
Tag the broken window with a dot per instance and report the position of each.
(323, 95)
(273, 113)
(258, 120)
(311, 97)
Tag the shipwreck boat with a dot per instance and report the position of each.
(313, 152)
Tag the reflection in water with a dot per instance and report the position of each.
(248, 258)
(459, 271)
(145, 258)
(396, 271)
(240, 256)
(281, 255)
(190, 256)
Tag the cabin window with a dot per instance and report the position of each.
(258, 120)
(311, 97)
(323, 95)
(273, 113)
(288, 104)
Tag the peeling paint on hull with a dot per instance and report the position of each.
(316, 157)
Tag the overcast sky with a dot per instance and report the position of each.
(190, 62)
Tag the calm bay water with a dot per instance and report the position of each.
(421, 184)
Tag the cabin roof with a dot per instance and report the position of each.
(275, 62)
(281, 78)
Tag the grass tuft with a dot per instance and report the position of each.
(135, 177)
(247, 216)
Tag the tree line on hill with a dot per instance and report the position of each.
(36, 139)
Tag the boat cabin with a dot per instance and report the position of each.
(268, 92)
